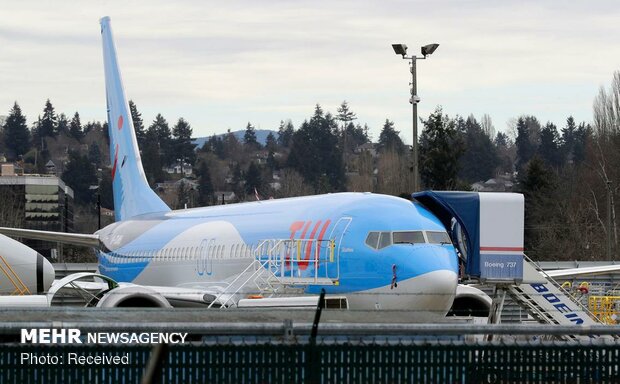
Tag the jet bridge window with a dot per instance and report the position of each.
(409, 237)
(438, 237)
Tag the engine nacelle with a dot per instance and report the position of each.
(134, 296)
(23, 270)
(470, 301)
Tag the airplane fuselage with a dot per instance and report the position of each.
(209, 246)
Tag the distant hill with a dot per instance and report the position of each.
(261, 136)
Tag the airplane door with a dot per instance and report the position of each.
(338, 234)
(205, 259)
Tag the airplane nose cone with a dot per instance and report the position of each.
(435, 291)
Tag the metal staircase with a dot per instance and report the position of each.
(546, 300)
(279, 264)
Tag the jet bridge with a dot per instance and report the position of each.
(487, 230)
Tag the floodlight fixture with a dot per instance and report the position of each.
(400, 49)
(429, 49)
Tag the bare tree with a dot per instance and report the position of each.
(393, 174)
(487, 126)
(607, 108)
(364, 180)
(293, 184)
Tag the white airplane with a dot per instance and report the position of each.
(370, 251)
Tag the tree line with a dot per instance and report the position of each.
(568, 172)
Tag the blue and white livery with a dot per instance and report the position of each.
(387, 253)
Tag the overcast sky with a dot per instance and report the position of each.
(222, 64)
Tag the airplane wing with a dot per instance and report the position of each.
(583, 271)
(56, 237)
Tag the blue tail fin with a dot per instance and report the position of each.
(132, 194)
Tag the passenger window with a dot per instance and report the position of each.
(385, 240)
(372, 239)
(436, 237)
(409, 237)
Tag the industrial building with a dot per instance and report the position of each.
(40, 202)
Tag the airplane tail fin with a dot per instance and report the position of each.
(132, 194)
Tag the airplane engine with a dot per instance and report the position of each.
(134, 296)
(470, 301)
(23, 271)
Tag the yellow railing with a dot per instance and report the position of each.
(605, 308)
(20, 287)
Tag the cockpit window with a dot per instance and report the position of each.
(436, 237)
(409, 237)
(385, 240)
(380, 240)
(372, 239)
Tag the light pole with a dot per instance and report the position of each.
(401, 49)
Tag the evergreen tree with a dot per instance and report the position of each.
(525, 148)
(549, 146)
(503, 148)
(37, 139)
(253, 180)
(231, 148)
(138, 124)
(272, 163)
(205, 186)
(389, 139)
(94, 154)
(151, 158)
(215, 144)
(270, 143)
(80, 175)
(285, 133)
(159, 131)
(96, 127)
(48, 126)
(583, 134)
(315, 153)
(75, 127)
(538, 184)
(501, 140)
(479, 158)
(568, 140)
(183, 146)
(16, 134)
(345, 116)
(105, 191)
(249, 137)
(356, 135)
(440, 150)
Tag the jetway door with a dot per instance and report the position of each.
(487, 227)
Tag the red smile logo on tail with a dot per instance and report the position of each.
(115, 161)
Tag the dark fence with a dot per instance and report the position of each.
(330, 360)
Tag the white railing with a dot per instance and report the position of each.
(284, 262)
